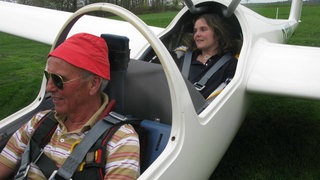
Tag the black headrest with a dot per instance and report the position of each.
(119, 56)
(119, 52)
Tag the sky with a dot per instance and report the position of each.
(259, 1)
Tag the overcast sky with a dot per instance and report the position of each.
(258, 1)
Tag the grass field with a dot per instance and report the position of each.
(21, 67)
(279, 138)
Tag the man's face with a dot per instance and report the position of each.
(74, 93)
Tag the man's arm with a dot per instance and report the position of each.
(5, 172)
(123, 161)
(12, 152)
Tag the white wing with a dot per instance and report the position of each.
(43, 25)
(285, 70)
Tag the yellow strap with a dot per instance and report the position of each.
(81, 166)
(214, 94)
(74, 145)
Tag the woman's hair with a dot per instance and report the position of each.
(221, 31)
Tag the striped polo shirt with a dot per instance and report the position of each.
(122, 152)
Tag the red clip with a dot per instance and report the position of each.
(98, 155)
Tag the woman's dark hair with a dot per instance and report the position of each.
(221, 31)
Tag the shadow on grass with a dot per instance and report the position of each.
(279, 139)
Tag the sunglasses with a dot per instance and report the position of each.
(57, 79)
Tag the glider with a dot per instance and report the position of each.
(200, 131)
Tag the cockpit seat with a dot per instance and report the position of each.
(141, 90)
(130, 87)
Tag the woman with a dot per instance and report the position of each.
(211, 41)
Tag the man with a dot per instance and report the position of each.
(77, 72)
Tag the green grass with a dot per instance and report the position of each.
(21, 66)
(308, 32)
(155, 19)
(279, 138)
(162, 19)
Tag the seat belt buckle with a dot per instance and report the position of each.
(22, 174)
(198, 86)
(53, 175)
(118, 116)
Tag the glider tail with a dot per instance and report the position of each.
(295, 11)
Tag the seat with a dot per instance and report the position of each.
(134, 96)
(156, 138)
(141, 90)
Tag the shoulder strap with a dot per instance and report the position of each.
(108, 109)
(41, 136)
(186, 63)
(201, 84)
(72, 163)
(38, 140)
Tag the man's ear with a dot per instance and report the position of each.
(95, 85)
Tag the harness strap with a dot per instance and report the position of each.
(46, 165)
(108, 109)
(201, 84)
(25, 165)
(41, 137)
(33, 151)
(72, 163)
(186, 64)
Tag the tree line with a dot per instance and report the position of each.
(136, 6)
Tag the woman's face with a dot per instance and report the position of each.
(204, 36)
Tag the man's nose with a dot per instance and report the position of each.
(50, 85)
